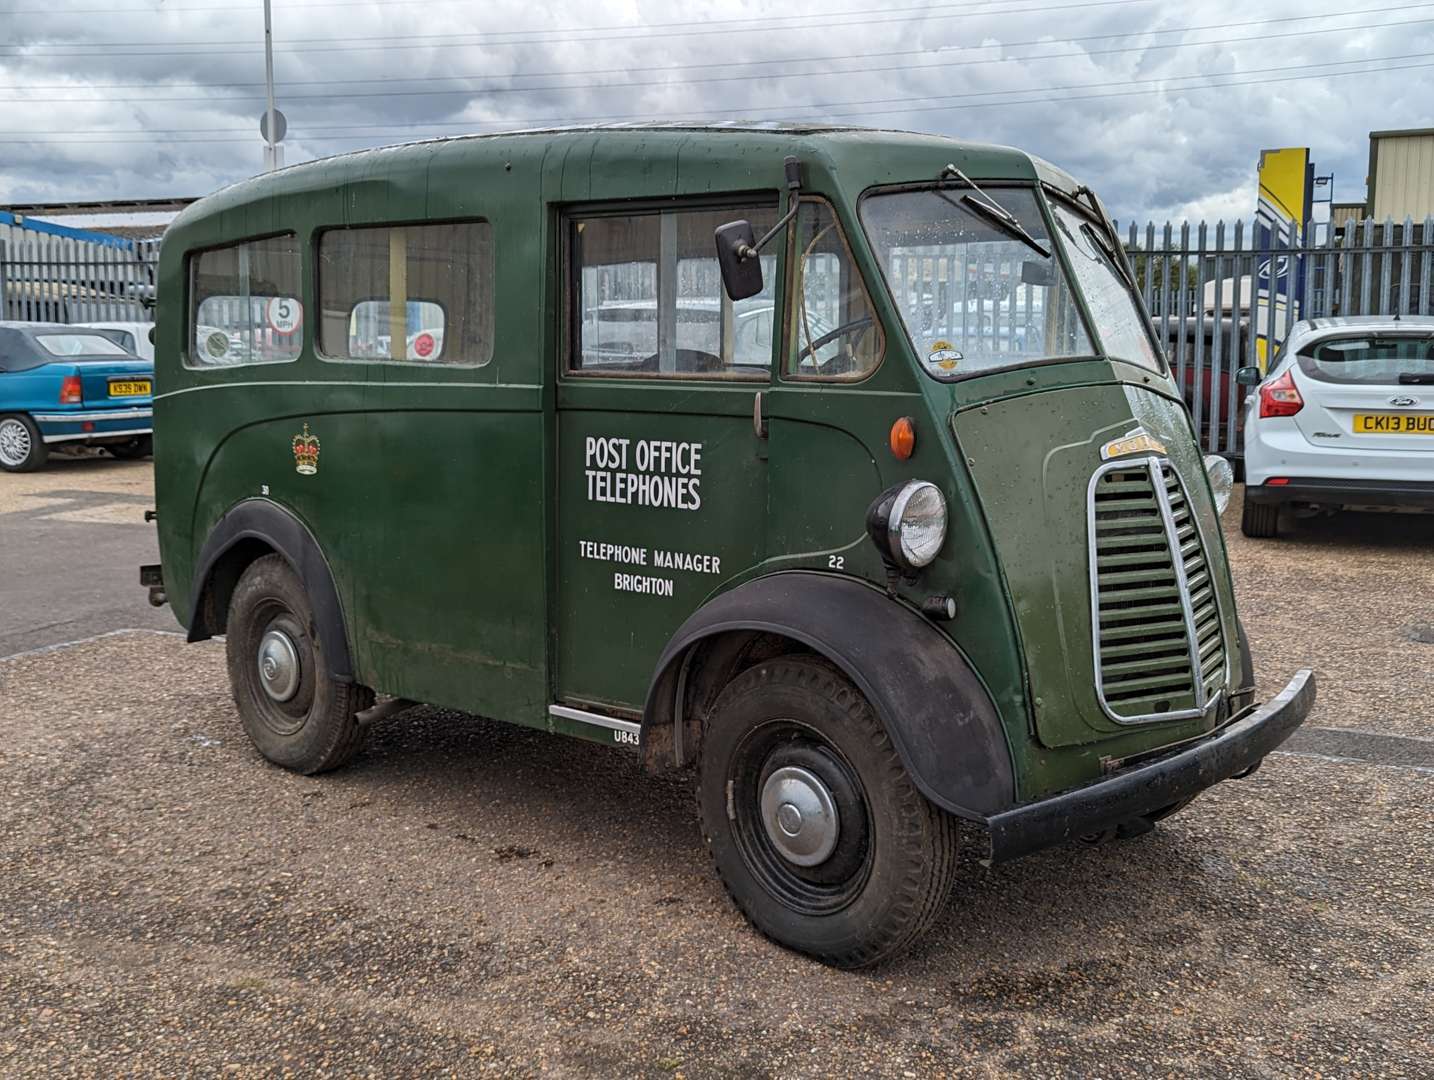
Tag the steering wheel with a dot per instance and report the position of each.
(859, 325)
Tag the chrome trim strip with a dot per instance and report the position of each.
(596, 719)
(1151, 464)
(92, 414)
(1214, 592)
(80, 436)
(1182, 581)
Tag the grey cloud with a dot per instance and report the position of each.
(1153, 155)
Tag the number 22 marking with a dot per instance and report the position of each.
(836, 562)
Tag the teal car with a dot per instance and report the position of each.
(71, 386)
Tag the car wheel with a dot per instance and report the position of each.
(139, 447)
(1260, 520)
(21, 447)
(816, 829)
(293, 712)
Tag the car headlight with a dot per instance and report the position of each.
(908, 523)
(1222, 480)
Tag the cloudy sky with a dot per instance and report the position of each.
(1163, 107)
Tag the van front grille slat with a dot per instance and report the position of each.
(1159, 647)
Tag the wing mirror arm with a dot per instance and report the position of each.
(737, 248)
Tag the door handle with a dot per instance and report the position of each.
(759, 422)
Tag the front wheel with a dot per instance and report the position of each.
(817, 830)
(296, 715)
(21, 447)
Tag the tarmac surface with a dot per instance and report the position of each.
(470, 898)
(72, 539)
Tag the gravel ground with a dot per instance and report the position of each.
(470, 898)
(1349, 595)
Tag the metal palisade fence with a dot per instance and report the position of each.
(1220, 303)
(52, 274)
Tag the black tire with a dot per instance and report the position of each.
(890, 871)
(1260, 521)
(142, 446)
(314, 729)
(21, 447)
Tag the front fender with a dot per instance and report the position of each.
(936, 710)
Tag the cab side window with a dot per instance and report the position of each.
(419, 294)
(647, 298)
(245, 305)
(834, 332)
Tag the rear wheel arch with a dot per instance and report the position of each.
(249, 531)
(935, 708)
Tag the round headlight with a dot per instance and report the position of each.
(908, 523)
(1222, 480)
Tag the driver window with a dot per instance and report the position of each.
(834, 332)
(648, 298)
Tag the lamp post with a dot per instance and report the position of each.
(273, 153)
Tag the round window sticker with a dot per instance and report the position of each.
(423, 345)
(943, 359)
(285, 314)
(217, 344)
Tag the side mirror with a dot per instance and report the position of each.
(737, 256)
(151, 335)
(1248, 376)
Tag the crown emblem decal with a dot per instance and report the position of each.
(306, 453)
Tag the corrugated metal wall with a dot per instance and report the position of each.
(1402, 175)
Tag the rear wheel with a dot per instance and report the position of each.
(817, 831)
(141, 446)
(21, 447)
(1260, 520)
(293, 712)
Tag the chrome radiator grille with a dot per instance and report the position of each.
(1159, 650)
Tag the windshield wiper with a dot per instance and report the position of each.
(994, 212)
(1101, 239)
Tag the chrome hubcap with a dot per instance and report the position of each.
(278, 665)
(14, 442)
(800, 816)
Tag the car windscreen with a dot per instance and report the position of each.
(1370, 360)
(90, 344)
(973, 294)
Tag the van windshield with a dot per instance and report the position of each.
(1112, 306)
(973, 296)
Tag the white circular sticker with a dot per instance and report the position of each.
(285, 314)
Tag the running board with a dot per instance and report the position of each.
(624, 732)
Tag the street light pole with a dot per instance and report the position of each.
(271, 142)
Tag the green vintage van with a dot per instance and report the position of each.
(838, 465)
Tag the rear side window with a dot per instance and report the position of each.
(415, 294)
(1387, 360)
(648, 298)
(79, 345)
(245, 305)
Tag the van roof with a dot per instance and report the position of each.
(735, 139)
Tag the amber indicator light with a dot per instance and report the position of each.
(903, 438)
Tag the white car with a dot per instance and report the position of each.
(1343, 420)
(133, 336)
